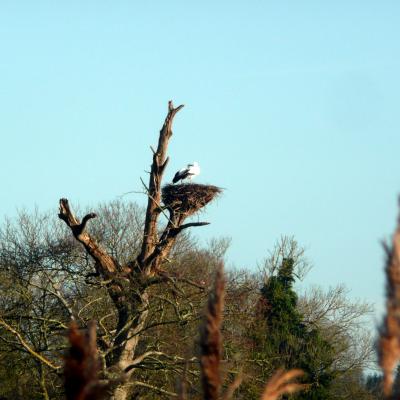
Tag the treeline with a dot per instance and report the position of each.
(47, 280)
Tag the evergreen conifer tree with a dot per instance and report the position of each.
(286, 341)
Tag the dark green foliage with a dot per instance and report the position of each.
(287, 341)
(373, 384)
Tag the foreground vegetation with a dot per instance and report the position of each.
(47, 280)
(145, 281)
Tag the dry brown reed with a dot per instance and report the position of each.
(389, 344)
(228, 395)
(280, 384)
(82, 365)
(210, 340)
(188, 198)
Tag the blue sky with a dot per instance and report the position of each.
(291, 106)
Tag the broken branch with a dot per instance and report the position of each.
(107, 265)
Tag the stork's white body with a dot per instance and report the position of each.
(189, 172)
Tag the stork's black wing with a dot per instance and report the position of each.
(182, 174)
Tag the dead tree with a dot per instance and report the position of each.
(128, 284)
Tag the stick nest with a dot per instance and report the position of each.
(187, 198)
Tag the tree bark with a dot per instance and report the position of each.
(160, 161)
(127, 285)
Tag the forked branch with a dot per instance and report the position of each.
(167, 240)
(106, 264)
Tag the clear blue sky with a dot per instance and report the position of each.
(292, 106)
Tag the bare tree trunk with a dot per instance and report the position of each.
(121, 392)
(127, 284)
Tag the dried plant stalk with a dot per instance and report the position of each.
(232, 387)
(389, 344)
(210, 341)
(280, 384)
(82, 366)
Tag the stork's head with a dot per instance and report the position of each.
(194, 164)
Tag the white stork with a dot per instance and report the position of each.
(190, 171)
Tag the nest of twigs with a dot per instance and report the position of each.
(188, 198)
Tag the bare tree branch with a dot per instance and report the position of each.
(167, 240)
(160, 207)
(27, 347)
(140, 358)
(104, 261)
(155, 388)
(160, 161)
